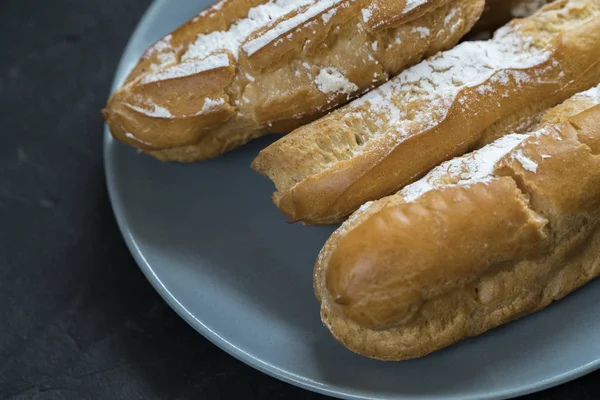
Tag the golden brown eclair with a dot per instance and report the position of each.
(454, 101)
(481, 240)
(245, 68)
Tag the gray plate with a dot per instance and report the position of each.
(211, 242)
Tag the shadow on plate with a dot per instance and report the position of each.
(477, 361)
(212, 236)
(217, 216)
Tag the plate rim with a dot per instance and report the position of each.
(118, 207)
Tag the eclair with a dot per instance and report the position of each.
(243, 69)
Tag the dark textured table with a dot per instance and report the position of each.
(77, 318)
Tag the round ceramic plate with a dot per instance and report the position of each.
(214, 246)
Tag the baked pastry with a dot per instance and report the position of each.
(499, 12)
(481, 240)
(242, 68)
(454, 101)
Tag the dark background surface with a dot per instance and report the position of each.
(77, 318)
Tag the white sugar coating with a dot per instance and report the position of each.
(527, 163)
(451, 15)
(164, 59)
(161, 45)
(412, 4)
(133, 137)
(328, 15)
(330, 80)
(188, 68)
(591, 94)
(454, 20)
(210, 104)
(230, 40)
(156, 111)
(258, 18)
(466, 170)
(421, 96)
(367, 13)
(422, 31)
(218, 5)
(215, 7)
(475, 167)
(527, 7)
(289, 24)
(164, 52)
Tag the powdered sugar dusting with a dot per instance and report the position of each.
(188, 68)
(451, 15)
(133, 137)
(156, 111)
(230, 40)
(367, 13)
(412, 4)
(328, 15)
(527, 163)
(423, 31)
(259, 17)
(163, 45)
(424, 93)
(210, 105)
(468, 169)
(289, 24)
(330, 80)
(165, 53)
(210, 11)
(592, 94)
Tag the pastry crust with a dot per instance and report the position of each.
(455, 101)
(483, 239)
(245, 68)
